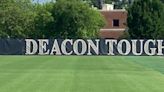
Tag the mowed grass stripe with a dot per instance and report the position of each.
(156, 63)
(18, 71)
(8, 75)
(37, 75)
(78, 74)
(130, 75)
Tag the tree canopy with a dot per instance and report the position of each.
(75, 19)
(145, 19)
(63, 19)
(16, 18)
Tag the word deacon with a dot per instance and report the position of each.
(94, 47)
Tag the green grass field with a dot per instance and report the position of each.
(81, 74)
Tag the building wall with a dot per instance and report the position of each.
(110, 31)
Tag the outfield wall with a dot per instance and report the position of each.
(81, 47)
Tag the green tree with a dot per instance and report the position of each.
(75, 19)
(160, 33)
(145, 19)
(16, 18)
(25, 19)
(43, 17)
